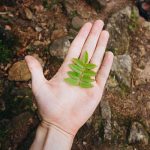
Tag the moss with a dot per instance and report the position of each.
(8, 42)
(133, 21)
(124, 89)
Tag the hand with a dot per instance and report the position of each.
(64, 105)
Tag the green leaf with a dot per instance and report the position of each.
(85, 85)
(75, 68)
(87, 79)
(90, 66)
(89, 73)
(85, 57)
(81, 72)
(74, 75)
(78, 62)
(72, 81)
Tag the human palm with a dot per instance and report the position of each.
(64, 105)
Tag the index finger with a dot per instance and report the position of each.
(77, 44)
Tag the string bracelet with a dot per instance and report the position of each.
(47, 124)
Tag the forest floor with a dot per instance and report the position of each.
(31, 27)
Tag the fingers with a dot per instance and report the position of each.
(77, 44)
(92, 39)
(100, 49)
(103, 73)
(35, 69)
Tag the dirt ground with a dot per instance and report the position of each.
(36, 24)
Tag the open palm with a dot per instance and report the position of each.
(64, 105)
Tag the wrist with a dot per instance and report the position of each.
(48, 125)
(61, 134)
(57, 139)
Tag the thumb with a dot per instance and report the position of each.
(35, 69)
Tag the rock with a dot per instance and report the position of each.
(69, 7)
(148, 106)
(118, 27)
(77, 22)
(118, 132)
(73, 32)
(146, 25)
(20, 72)
(142, 50)
(28, 13)
(138, 134)
(111, 82)
(144, 75)
(106, 118)
(97, 4)
(38, 29)
(58, 34)
(122, 67)
(60, 47)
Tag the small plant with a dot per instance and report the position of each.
(82, 74)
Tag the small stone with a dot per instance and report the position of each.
(20, 72)
(144, 75)
(39, 8)
(37, 43)
(148, 106)
(122, 67)
(69, 6)
(111, 82)
(73, 32)
(28, 13)
(146, 25)
(38, 29)
(8, 27)
(142, 50)
(60, 47)
(77, 22)
(138, 134)
(58, 34)
(84, 143)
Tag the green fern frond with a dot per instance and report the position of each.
(81, 73)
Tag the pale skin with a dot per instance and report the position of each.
(66, 106)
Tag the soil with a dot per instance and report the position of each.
(34, 23)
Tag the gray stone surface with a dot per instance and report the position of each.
(122, 67)
(138, 134)
(60, 47)
(118, 27)
(143, 75)
(106, 118)
(77, 22)
(69, 6)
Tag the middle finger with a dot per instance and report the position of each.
(92, 39)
